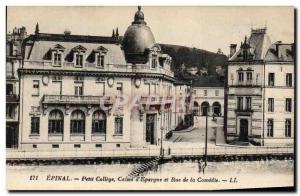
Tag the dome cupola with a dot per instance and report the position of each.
(137, 40)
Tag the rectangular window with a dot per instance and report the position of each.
(288, 128)
(9, 89)
(100, 61)
(217, 92)
(35, 125)
(55, 145)
(10, 111)
(98, 145)
(154, 61)
(78, 87)
(119, 126)
(79, 60)
(77, 146)
(270, 128)
(57, 59)
(36, 87)
(271, 81)
(249, 76)
(270, 104)
(241, 76)
(240, 103)
(119, 89)
(248, 103)
(205, 92)
(289, 79)
(288, 105)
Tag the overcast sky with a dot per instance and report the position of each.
(207, 28)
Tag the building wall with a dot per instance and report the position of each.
(213, 95)
(279, 92)
(259, 91)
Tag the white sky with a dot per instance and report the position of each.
(207, 28)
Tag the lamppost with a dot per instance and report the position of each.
(161, 139)
(205, 158)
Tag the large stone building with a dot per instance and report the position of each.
(14, 41)
(73, 90)
(260, 92)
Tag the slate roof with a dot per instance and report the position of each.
(259, 43)
(208, 81)
(280, 52)
(38, 47)
(261, 48)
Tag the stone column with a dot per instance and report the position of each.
(88, 128)
(67, 122)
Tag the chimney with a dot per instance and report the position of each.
(232, 50)
(67, 32)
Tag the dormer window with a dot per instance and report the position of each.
(57, 59)
(57, 55)
(79, 60)
(100, 53)
(78, 55)
(100, 60)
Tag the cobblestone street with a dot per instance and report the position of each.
(196, 134)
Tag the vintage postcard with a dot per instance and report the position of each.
(150, 98)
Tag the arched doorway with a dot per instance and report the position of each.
(216, 106)
(204, 108)
(196, 109)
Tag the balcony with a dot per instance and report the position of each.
(244, 110)
(140, 68)
(72, 99)
(13, 98)
(156, 100)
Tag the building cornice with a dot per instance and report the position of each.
(26, 71)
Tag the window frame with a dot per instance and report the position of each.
(288, 104)
(35, 125)
(75, 124)
(270, 128)
(289, 79)
(288, 128)
(118, 126)
(271, 102)
(37, 89)
(270, 82)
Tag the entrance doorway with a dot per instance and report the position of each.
(150, 128)
(204, 108)
(243, 130)
(216, 108)
(11, 136)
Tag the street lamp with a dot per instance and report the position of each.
(161, 139)
(205, 158)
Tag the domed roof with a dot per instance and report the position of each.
(138, 39)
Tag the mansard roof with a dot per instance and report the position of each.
(259, 43)
(37, 47)
(280, 52)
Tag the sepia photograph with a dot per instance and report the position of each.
(132, 98)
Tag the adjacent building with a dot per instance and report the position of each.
(13, 62)
(208, 97)
(260, 92)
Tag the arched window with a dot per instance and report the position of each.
(56, 122)
(99, 122)
(77, 122)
